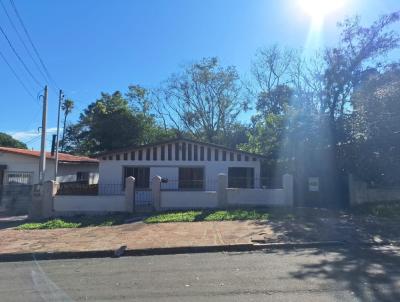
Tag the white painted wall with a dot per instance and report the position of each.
(188, 199)
(255, 197)
(87, 204)
(111, 171)
(30, 164)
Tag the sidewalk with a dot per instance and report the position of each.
(134, 236)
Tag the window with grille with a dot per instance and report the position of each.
(191, 178)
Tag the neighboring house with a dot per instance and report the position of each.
(187, 164)
(20, 166)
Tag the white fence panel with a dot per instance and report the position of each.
(255, 197)
(188, 199)
(85, 204)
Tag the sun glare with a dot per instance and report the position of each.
(319, 9)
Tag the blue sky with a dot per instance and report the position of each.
(90, 46)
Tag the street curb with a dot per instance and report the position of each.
(13, 257)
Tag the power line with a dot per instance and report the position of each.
(22, 40)
(31, 42)
(19, 58)
(16, 75)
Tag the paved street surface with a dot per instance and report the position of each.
(296, 275)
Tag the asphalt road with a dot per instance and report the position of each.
(296, 275)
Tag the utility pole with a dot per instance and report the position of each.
(60, 98)
(42, 161)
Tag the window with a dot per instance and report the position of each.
(117, 157)
(169, 151)
(246, 158)
(155, 153)
(140, 155)
(104, 158)
(125, 156)
(82, 176)
(240, 177)
(177, 151)
(208, 154)
(133, 153)
(224, 155)
(162, 152)
(148, 154)
(231, 156)
(19, 178)
(201, 153)
(183, 151)
(141, 174)
(196, 154)
(239, 157)
(191, 178)
(110, 157)
(189, 151)
(216, 153)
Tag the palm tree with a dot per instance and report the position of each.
(67, 107)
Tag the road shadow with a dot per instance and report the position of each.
(371, 274)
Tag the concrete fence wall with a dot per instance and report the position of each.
(256, 197)
(66, 204)
(360, 193)
(188, 199)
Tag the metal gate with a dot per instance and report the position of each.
(143, 200)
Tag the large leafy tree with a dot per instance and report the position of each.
(202, 100)
(111, 123)
(8, 141)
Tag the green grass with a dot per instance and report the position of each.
(74, 222)
(207, 215)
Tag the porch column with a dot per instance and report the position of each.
(129, 194)
(156, 192)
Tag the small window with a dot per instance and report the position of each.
(224, 155)
(140, 155)
(141, 175)
(110, 157)
(239, 157)
(195, 151)
(133, 153)
(183, 151)
(191, 178)
(254, 159)
(125, 156)
(231, 156)
(189, 151)
(240, 177)
(216, 154)
(169, 151)
(201, 153)
(104, 158)
(148, 154)
(155, 153)
(208, 153)
(20, 178)
(117, 157)
(162, 152)
(177, 151)
(246, 158)
(82, 176)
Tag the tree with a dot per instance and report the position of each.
(8, 141)
(111, 123)
(203, 100)
(66, 107)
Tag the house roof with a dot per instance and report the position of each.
(62, 157)
(176, 140)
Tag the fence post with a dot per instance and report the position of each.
(288, 189)
(222, 194)
(129, 194)
(43, 200)
(156, 192)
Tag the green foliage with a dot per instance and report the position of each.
(111, 123)
(75, 222)
(383, 209)
(208, 215)
(8, 141)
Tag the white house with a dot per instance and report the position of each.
(186, 164)
(20, 166)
